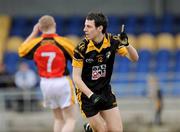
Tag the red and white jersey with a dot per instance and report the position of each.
(50, 53)
(50, 61)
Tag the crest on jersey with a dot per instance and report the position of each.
(100, 58)
(108, 54)
(82, 46)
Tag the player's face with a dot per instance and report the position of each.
(90, 30)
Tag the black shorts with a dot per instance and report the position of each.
(90, 109)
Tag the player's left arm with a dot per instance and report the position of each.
(131, 51)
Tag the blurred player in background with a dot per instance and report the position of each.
(156, 96)
(92, 69)
(25, 80)
(51, 53)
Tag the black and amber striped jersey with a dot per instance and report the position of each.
(97, 62)
(50, 53)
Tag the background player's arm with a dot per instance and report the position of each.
(79, 82)
(30, 42)
(33, 34)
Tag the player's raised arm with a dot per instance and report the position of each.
(132, 53)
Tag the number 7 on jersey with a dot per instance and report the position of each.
(51, 56)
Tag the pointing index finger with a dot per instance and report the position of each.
(122, 28)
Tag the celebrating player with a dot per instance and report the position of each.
(92, 69)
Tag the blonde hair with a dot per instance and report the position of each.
(46, 22)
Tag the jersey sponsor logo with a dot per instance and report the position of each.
(89, 60)
(98, 71)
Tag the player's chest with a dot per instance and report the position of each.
(95, 57)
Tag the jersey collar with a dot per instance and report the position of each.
(91, 46)
(49, 35)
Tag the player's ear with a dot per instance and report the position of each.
(100, 28)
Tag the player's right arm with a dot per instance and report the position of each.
(77, 74)
(77, 64)
(77, 71)
(30, 42)
(96, 99)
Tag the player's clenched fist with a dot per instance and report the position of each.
(97, 99)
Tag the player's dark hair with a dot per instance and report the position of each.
(99, 18)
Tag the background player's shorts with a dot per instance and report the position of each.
(57, 92)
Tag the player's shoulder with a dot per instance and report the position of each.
(84, 41)
(82, 45)
(61, 38)
(63, 41)
(113, 36)
(36, 40)
(31, 43)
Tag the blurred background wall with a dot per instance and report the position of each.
(82, 7)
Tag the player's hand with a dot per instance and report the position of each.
(97, 99)
(36, 29)
(123, 37)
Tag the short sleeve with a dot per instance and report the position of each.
(122, 51)
(77, 63)
(26, 48)
(78, 56)
(117, 45)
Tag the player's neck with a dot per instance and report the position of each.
(51, 31)
(99, 38)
